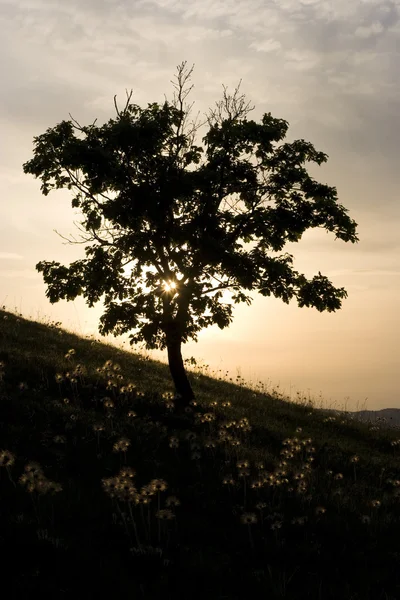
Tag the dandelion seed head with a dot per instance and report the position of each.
(34, 468)
(242, 464)
(121, 445)
(299, 520)
(127, 472)
(208, 417)
(257, 484)
(365, 519)
(228, 481)
(165, 514)
(243, 472)
(7, 458)
(172, 501)
(54, 487)
(147, 491)
(376, 503)
(210, 444)
(235, 443)
(140, 499)
(249, 518)
(160, 485)
(59, 439)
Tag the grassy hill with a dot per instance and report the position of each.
(103, 491)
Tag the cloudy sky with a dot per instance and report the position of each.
(329, 68)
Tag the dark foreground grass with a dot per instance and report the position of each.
(105, 494)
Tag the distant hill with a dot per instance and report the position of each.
(386, 416)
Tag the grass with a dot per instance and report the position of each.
(104, 493)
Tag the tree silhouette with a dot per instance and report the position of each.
(152, 222)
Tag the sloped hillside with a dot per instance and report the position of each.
(104, 491)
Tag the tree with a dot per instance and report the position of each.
(152, 221)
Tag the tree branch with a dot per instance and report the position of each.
(78, 126)
(64, 238)
(129, 96)
(220, 287)
(81, 187)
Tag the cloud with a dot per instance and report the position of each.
(328, 68)
(371, 30)
(301, 60)
(375, 272)
(15, 274)
(268, 45)
(10, 256)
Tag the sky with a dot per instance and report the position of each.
(329, 68)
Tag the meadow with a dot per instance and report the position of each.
(105, 492)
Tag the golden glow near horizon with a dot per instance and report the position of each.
(318, 68)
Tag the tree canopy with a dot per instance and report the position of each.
(162, 213)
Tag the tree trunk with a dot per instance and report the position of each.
(176, 366)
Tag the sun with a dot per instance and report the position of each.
(169, 285)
